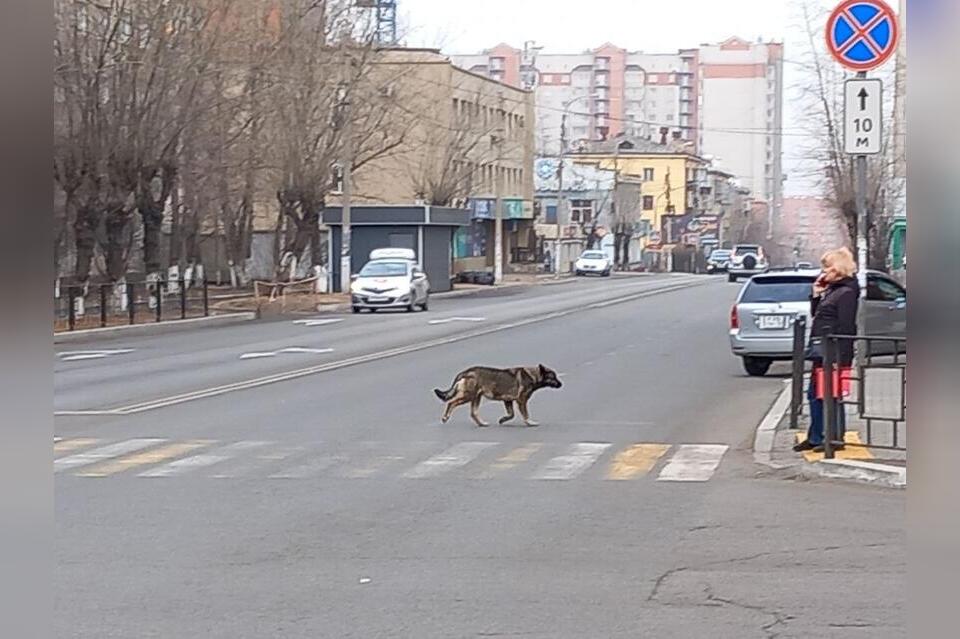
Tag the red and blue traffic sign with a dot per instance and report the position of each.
(862, 34)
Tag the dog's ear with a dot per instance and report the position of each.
(544, 371)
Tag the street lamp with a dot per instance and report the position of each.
(560, 194)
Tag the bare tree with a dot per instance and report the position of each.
(821, 92)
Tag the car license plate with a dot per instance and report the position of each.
(377, 299)
(771, 322)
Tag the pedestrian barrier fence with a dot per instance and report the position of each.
(873, 389)
(89, 305)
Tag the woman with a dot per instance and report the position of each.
(833, 304)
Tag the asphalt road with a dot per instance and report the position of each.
(202, 491)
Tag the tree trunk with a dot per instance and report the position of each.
(85, 234)
(116, 224)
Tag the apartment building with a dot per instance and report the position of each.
(604, 92)
(725, 99)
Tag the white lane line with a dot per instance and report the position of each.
(457, 319)
(203, 460)
(102, 453)
(83, 413)
(456, 456)
(205, 393)
(579, 457)
(693, 462)
(316, 322)
(301, 349)
(73, 356)
(257, 355)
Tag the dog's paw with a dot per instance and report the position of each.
(531, 423)
(504, 420)
(482, 424)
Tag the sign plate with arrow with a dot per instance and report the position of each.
(863, 116)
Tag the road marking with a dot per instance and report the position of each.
(693, 462)
(152, 456)
(215, 391)
(370, 467)
(512, 459)
(457, 319)
(636, 460)
(72, 356)
(84, 413)
(579, 458)
(311, 468)
(456, 456)
(106, 452)
(255, 463)
(68, 445)
(317, 322)
(292, 349)
(856, 451)
(203, 460)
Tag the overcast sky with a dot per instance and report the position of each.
(564, 26)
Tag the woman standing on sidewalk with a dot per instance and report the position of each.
(833, 304)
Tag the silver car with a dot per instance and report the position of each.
(761, 320)
(391, 279)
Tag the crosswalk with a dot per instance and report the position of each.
(469, 460)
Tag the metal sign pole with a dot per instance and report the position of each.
(861, 201)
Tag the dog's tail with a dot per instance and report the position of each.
(444, 395)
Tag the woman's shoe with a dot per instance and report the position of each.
(802, 446)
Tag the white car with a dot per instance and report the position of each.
(747, 260)
(391, 279)
(596, 262)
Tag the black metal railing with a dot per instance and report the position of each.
(873, 389)
(81, 306)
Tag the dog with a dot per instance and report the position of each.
(507, 385)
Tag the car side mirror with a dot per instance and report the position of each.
(353, 277)
(900, 302)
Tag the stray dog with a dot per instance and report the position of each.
(507, 385)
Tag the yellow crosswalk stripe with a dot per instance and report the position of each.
(636, 460)
(850, 452)
(153, 456)
(511, 459)
(67, 445)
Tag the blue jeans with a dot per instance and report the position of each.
(815, 433)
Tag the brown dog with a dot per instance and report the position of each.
(507, 385)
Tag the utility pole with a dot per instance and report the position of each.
(618, 233)
(498, 195)
(347, 172)
(563, 146)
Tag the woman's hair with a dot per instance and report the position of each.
(840, 261)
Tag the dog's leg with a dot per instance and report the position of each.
(509, 406)
(522, 404)
(452, 404)
(474, 405)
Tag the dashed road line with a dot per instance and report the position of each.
(456, 456)
(146, 458)
(204, 460)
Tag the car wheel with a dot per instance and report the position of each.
(356, 309)
(426, 303)
(756, 366)
(731, 277)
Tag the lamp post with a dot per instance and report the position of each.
(560, 194)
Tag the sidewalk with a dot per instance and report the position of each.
(773, 447)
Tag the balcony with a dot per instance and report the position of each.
(602, 64)
(601, 80)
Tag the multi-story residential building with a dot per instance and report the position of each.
(726, 99)
(741, 85)
(604, 92)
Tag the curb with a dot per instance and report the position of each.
(860, 471)
(847, 469)
(171, 326)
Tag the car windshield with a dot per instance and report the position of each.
(773, 290)
(593, 255)
(746, 250)
(384, 269)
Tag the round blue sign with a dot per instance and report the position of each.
(862, 34)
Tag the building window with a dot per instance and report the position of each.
(647, 202)
(581, 210)
(551, 214)
(648, 174)
(669, 117)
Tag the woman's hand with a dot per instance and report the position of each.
(820, 286)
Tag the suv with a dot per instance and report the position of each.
(761, 320)
(747, 260)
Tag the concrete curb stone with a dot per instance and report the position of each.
(170, 326)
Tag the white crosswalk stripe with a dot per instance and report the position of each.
(105, 452)
(693, 462)
(578, 458)
(454, 457)
(187, 464)
(491, 461)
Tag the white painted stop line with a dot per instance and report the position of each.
(73, 356)
(292, 349)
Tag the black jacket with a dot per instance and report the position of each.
(835, 313)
